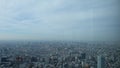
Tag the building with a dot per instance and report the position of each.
(100, 62)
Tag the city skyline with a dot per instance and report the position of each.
(60, 20)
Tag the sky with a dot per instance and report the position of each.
(87, 20)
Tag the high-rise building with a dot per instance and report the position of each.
(83, 55)
(100, 62)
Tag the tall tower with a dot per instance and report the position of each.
(100, 62)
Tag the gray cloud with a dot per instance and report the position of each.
(59, 19)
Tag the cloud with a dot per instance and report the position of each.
(72, 19)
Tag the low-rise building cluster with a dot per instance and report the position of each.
(59, 54)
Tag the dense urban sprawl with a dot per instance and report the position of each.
(59, 54)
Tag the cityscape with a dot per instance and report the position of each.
(59, 54)
(59, 34)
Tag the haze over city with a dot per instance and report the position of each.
(87, 20)
(59, 34)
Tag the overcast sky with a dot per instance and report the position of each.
(59, 20)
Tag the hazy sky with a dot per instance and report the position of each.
(59, 20)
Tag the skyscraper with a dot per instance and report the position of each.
(100, 62)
